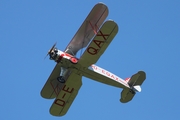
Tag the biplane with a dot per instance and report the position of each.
(95, 34)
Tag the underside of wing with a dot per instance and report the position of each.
(52, 86)
(99, 43)
(88, 28)
(66, 95)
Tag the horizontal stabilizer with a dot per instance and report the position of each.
(137, 79)
(127, 95)
(135, 83)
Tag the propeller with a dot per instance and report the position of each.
(50, 50)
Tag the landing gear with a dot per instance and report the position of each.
(61, 79)
(74, 60)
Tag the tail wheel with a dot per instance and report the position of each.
(132, 91)
(74, 60)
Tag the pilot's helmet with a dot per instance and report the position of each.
(55, 50)
(52, 53)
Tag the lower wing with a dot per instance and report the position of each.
(99, 43)
(52, 86)
(67, 95)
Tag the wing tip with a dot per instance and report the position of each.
(55, 113)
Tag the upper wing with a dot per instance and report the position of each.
(52, 86)
(88, 29)
(99, 43)
(66, 95)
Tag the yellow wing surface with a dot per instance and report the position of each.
(99, 43)
(52, 86)
(67, 95)
(81, 39)
(88, 28)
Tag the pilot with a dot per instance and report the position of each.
(53, 54)
(55, 50)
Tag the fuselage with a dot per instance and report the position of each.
(58, 55)
(65, 61)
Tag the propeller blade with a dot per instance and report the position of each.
(50, 50)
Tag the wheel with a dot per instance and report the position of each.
(61, 79)
(74, 60)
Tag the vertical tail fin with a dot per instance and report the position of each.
(127, 79)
